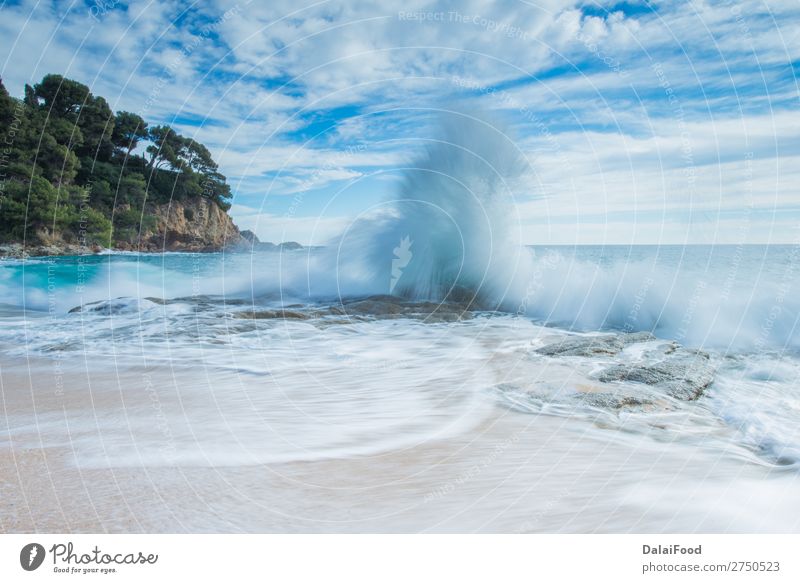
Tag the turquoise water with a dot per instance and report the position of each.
(375, 381)
(735, 298)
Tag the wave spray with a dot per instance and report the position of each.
(452, 230)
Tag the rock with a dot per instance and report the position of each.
(13, 251)
(250, 242)
(197, 225)
(113, 307)
(290, 246)
(390, 307)
(594, 345)
(371, 308)
(199, 300)
(683, 374)
(250, 237)
(247, 243)
(273, 315)
(667, 369)
(50, 249)
(534, 397)
(613, 400)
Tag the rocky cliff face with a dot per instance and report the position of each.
(197, 225)
(194, 225)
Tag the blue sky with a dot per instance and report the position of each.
(642, 122)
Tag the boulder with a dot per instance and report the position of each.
(683, 374)
(273, 315)
(663, 370)
(594, 345)
(384, 307)
(112, 307)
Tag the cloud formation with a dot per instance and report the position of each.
(642, 121)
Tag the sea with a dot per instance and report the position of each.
(397, 378)
(314, 384)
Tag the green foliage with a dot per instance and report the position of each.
(97, 227)
(164, 150)
(128, 223)
(61, 97)
(6, 106)
(132, 190)
(129, 130)
(13, 211)
(96, 121)
(69, 170)
(28, 208)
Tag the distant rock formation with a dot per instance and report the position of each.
(251, 242)
(250, 237)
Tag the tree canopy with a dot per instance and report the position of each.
(69, 165)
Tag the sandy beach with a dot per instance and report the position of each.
(513, 473)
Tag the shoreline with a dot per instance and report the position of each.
(22, 251)
(511, 473)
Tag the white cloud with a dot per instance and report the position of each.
(613, 141)
(308, 231)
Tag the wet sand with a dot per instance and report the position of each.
(514, 473)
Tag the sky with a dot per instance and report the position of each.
(641, 122)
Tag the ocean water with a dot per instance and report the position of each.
(438, 403)
(347, 384)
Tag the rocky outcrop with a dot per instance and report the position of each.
(192, 225)
(386, 307)
(113, 307)
(381, 307)
(648, 377)
(20, 251)
(594, 345)
(198, 225)
(250, 237)
(683, 374)
(275, 315)
(251, 242)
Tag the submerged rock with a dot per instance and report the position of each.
(613, 400)
(594, 345)
(201, 300)
(390, 307)
(651, 376)
(364, 309)
(113, 307)
(274, 315)
(684, 374)
(575, 397)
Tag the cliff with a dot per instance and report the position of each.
(76, 177)
(198, 225)
(191, 225)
